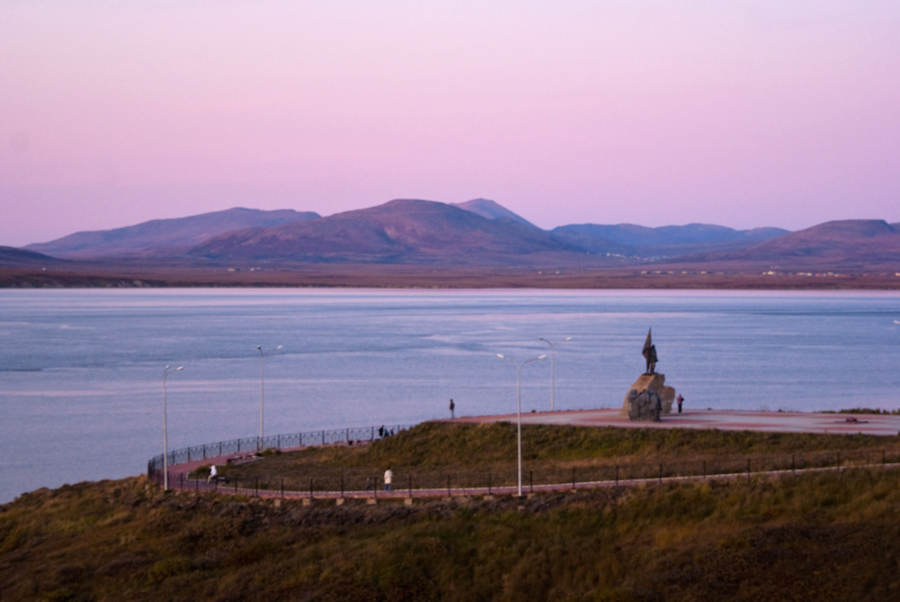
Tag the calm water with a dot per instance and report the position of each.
(81, 370)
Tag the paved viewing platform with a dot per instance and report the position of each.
(726, 420)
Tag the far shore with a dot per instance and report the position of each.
(428, 277)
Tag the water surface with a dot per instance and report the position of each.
(81, 370)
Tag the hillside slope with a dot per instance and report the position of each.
(632, 240)
(844, 244)
(11, 257)
(164, 237)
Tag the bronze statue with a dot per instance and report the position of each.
(649, 353)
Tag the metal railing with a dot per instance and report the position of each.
(365, 483)
(280, 442)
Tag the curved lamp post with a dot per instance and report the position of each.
(166, 372)
(519, 404)
(262, 361)
(552, 378)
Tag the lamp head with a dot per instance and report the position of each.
(500, 355)
(179, 368)
(541, 357)
(279, 347)
(568, 338)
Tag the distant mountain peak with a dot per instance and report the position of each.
(491, 210)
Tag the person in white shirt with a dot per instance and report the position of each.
(388, 477)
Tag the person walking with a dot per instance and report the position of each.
(680, 401)
(388, 479)
(452, 407)
(212, 473)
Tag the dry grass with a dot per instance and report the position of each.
(474, 455)
(833, 536)
(824, 536)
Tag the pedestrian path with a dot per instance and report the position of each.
(726, 420)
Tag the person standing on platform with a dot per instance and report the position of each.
(388, 479)
(452, 407)
(680, 401)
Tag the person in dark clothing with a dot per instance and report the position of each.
(680, 401)
(452, 407)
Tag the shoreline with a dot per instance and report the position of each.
(427, 277)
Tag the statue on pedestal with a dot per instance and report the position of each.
(649, 397)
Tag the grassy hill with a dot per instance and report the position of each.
(824, 536)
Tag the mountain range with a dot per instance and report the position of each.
(475, 233)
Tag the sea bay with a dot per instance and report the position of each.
(81, 370)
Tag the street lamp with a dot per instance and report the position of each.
(552, 379)
(519, 404)
(166, 372)
(262, 361)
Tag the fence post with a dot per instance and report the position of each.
(704, 470)
(793, 465)
(573, 478)
(660, 472)
(182, 482)
(531, 480)
(448, 487)
(235, 486)
(372, 435)
(839, 460)
(342, 485)
(323, 437)
(282, 487)
(410, 486)
(220, 448)
(347, 435)
(617, 475)
(310, 489)
(883, 458)
(748, 469)
(257, 486)
(489, 483)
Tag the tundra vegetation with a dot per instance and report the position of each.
(830, 535)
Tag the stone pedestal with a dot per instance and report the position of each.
(648, 398)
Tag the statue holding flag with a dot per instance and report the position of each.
(650, 353)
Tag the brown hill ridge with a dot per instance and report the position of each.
(164, 237)
(843, 244)
(400, 231)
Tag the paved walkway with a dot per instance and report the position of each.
(726, 420)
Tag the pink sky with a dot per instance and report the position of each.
(745, 114)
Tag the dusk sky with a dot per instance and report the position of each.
(770, 113)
